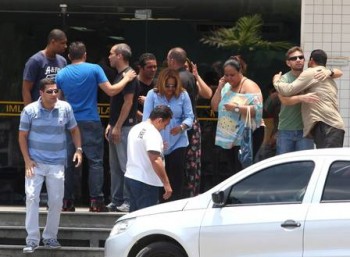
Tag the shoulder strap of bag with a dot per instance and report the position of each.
(241, 84)
(248, 120)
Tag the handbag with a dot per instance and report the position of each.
(245, 153)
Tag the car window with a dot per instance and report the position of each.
(337, 182)
(283, 183)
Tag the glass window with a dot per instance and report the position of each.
(337, 186)
(283, 183)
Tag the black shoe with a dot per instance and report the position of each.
(68, 205)
(97, 206)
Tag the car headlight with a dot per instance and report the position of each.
(121, 226)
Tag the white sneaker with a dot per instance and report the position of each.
(111, 207)
(125, 207)
(30, 247)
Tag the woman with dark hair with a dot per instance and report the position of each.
(193, 161)
(170, 92)
(234, 96)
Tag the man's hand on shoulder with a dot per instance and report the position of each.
(276, 77)
(130, 74)
(321, 75)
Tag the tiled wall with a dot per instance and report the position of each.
(325, 24)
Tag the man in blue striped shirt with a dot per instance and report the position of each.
(42, 140)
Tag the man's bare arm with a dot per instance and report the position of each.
(116, 130)
(27, 86)
(116, 88)
(303, 82)
(76, 137)
(158, 167)
(305, 98)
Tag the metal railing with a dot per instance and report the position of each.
(14, 108)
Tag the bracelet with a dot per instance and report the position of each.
(182, 127)
(79, 149)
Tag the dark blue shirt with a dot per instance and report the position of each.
(38, 67)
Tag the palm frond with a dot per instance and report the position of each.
(245, 34)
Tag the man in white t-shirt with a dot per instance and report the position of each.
(145, 169)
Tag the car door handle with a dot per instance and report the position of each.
(290, 224)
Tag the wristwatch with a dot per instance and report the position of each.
(79, 149)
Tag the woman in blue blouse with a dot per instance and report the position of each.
(169, 91)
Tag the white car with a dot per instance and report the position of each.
(295, 205)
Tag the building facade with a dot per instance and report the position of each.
(156, 26)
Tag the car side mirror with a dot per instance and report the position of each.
(218, 198)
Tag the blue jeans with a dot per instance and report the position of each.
(117, 165)
(141, 195)
(92, 144)
(292, 140)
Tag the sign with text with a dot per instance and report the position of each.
(13, 108)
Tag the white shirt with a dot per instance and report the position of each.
(142, 138)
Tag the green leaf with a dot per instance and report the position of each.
(245, 35)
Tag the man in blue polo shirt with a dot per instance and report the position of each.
(79, 83)
(42, 140)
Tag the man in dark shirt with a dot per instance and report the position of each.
(123, 109)
(147, 71)
(176, 60)
(44, 64)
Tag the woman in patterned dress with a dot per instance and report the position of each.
(234, 95)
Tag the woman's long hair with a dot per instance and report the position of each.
(163, 76)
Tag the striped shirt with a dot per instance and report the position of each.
(47, 131)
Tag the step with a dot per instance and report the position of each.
(17, 251)
(67, 236)
(81, 233)
(82, 218)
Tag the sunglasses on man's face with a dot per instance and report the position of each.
(170, 86)
(294, 58)
(51, 91)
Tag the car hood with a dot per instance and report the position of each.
(201, 201)
(198, 202)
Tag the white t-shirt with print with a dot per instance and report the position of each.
(142, 138)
